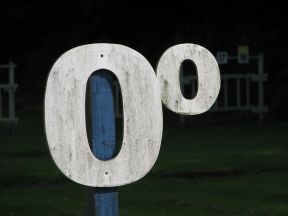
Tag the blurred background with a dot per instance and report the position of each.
(231, 160)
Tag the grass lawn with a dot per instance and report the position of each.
(232, 169)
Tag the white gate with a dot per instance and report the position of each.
(8, 88)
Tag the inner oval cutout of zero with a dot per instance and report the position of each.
(103, 102)
(188, 78)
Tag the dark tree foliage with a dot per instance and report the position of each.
(35, 33)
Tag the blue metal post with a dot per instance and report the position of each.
(103, 138)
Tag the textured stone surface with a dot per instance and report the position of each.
(168, 70)
(65, 115)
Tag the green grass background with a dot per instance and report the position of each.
(231, 169)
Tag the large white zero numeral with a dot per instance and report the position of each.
(65, 115)
(208, 79)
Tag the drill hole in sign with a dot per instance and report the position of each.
(113, 81)
(188, 79)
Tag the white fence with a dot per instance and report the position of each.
(8, 88)
(244, 96)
